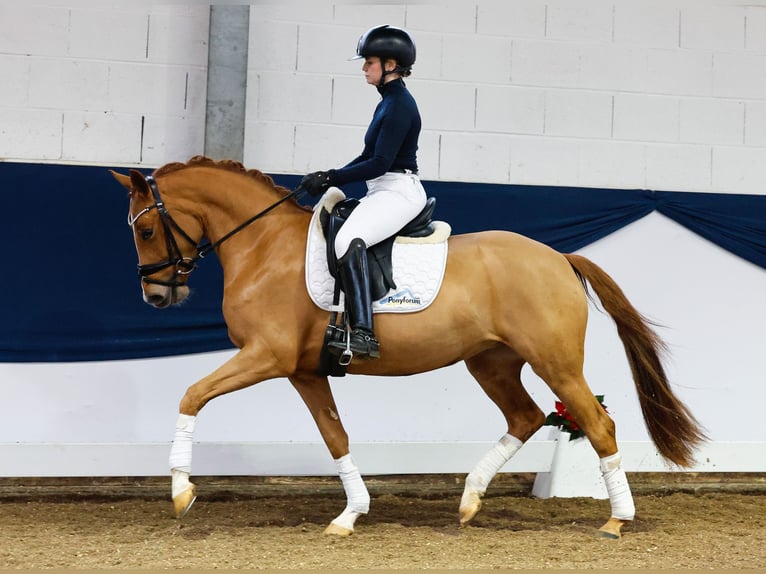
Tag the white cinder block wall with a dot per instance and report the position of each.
(117, 85)
(660, 95)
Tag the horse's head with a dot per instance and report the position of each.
(166, 253)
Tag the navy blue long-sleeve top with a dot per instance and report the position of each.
(391, 141)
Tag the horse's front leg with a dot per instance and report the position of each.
(316, 393)
(242, 370)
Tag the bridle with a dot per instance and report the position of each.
(182, 264)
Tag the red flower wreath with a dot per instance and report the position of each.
(564, 421)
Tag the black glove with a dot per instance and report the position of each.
(316, 183)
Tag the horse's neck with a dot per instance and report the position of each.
(227, 200)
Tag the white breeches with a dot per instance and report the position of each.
(392, 201)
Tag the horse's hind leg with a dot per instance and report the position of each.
(498, 371)
(598, 426)
(316, 393)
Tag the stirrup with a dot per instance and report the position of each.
(357, 343)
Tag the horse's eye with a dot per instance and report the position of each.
(146, 233)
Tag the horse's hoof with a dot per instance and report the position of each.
(183, 502)
(612, 529)
(469, 508)
(336, 530)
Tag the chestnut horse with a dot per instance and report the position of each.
(506, 300)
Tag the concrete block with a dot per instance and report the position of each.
(445, 17)
(353, 101)
(28, 134)
(29, 29)
(580, 21)
(108, 34)
(299, 11)
(712, 121)
(98, 137)
(755, 124)
(429, 147)
(739, 170)
(545, 63)
(179, 34)
(755, 29)
(68, 84)
(739, 75)
(429, 64)
(324, 146)
(269, 146)
(15, 90)
(475, 157)
(544, 161)
(683, 72)
(708, 27)
(672, 167)
(293, 97)
(445, 106)
(611, 164)
(366, 16)
(613, 67)
(650, 24)
(327, 50)
(510, 109)
(578, 113)
(148, 89)
(477, 59)
(646, 118)
(172, 138)
(273, 46)
(514, 18)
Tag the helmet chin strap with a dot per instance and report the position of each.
(385, 72)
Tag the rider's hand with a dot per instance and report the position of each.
(316, 183)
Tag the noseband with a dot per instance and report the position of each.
(183, 265)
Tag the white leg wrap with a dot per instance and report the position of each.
(181, 451)
(357, 497)
(620, 497)
(179, 482)
(480, 477)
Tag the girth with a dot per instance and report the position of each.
(379, 255)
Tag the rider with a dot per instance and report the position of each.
(388, 163)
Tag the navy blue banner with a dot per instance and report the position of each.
(69, 289)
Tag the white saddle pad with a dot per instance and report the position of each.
(418, 266)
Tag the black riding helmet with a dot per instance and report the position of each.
(387, 42)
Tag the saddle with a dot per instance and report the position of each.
(378, 255)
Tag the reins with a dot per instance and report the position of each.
(185, 265)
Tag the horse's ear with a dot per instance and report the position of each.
(124, 180)
(138, 182)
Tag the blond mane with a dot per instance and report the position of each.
(228, 165)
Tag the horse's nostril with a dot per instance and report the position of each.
(155, 299)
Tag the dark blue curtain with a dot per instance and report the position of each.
(69, 289)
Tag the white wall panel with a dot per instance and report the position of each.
(755, 124)
(662, 161)
(649, 24)
(110, 34)
(709, 27)
(739, 170)
(578, 113)
(582, 21)
(516, 18)
(684, 72)
(510, 110)
(712, 121)
(646, 118)
(30, 134)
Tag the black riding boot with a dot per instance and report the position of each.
(354, 276)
